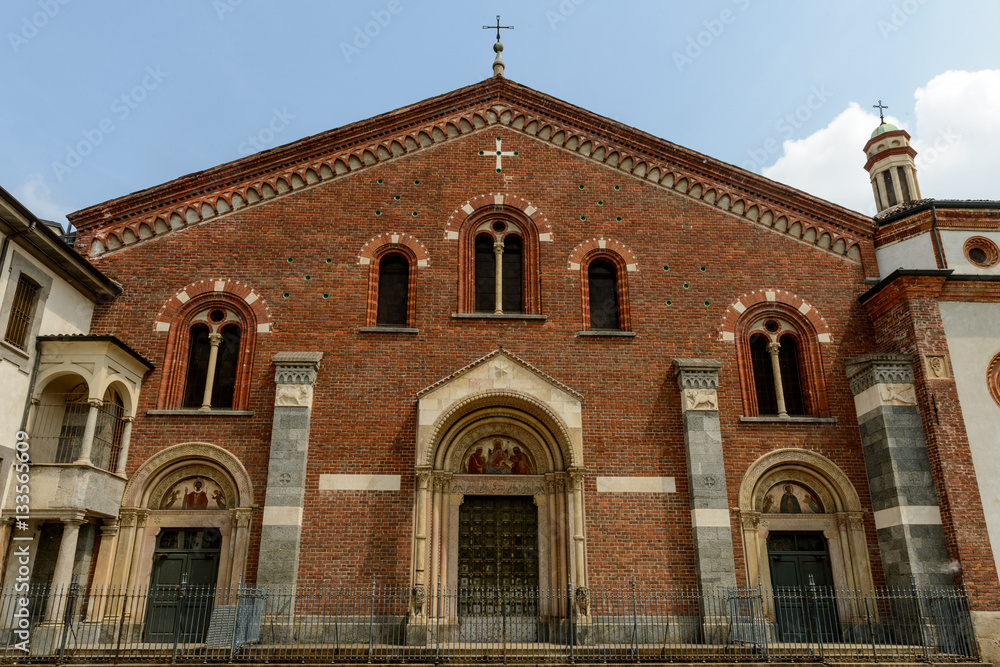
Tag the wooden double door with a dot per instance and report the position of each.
(802, 582)
(182, 585)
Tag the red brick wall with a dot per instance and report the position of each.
(908, 321)
(363, 415)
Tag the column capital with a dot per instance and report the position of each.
(73, 520)
(871, 369)
(697, 373)
(215, 339)
(241, 516)
(95, 402)
(127, 517)
(109, 528)
(296, 367)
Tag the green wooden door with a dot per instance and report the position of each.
(802, 584)
(182, 585)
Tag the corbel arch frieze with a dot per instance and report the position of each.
(620, 148)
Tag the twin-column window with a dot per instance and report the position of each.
(780, 366)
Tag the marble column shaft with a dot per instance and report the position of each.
(698, 381)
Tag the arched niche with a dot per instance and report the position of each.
(187, 486)
(822, 499)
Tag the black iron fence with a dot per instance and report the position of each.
(389, 623)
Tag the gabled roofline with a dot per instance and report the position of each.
(494, 102)
(45, 245)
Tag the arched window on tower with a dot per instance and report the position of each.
(393, 291)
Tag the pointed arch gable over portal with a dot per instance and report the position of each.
(499, 403)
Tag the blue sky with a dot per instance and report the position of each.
(154, 90)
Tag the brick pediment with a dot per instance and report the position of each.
(313, 161)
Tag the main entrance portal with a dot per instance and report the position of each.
(802, 581)
(182, 586)
(498, 565)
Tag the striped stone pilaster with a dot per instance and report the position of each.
(281, 533)
(907, 517)
(698, 380)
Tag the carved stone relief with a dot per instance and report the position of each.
(293, 395)
(701, 399)
(498, 485)
(897, 394)
(937, 367)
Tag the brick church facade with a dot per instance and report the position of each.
(367, 342)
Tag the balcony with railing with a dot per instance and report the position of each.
(77, 452)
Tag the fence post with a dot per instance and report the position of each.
(437, 620)
(236, 618)
(921, 630)
(819, 626)
(371, 625)
(180, 614)
(635, 624)
(68, 615)
(572, 611)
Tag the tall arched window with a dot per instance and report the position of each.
(393, 291)
(226, 367)
(763, 375)
(486, 284)
(605, 292)
(513, 272)
(788, 362)
(602, 283)
(197, 366)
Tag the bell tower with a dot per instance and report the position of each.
(890, 165)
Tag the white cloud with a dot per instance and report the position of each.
(37, 197)
(957, 139)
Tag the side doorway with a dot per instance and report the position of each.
(182, 584)
(801, 578)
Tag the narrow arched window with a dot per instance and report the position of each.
(791, 386)
(763, 375)
(602, 286)
(393, 291)
(513, 272)
(486, 288)
(197, 366)
(226, 367)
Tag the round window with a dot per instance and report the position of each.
(772, 326)
(217, 315)
(499, 225)
(982, 252)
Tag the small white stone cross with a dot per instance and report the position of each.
(500, 154)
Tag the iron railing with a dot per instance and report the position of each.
(378, 622)
(59, 425)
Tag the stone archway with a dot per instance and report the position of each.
(499, 404)
(188, 486)
(827, 503)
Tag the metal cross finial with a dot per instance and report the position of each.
(878, 106)
(498, 27)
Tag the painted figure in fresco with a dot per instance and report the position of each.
(789, 503)
(812, 504)
(219, 498)
(519, 463)
(768, 503)
(499, 462)
(477, 462)
(197, 499)
(170, 499)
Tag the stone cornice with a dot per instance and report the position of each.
(871, 369)
(697, 373)
(497, 101)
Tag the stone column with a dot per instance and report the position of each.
(126, 441)
(281, 533)
(779, 388)
(62, 576)
(498, 275)
(907, 517)
(89, 430)
(698, 380)
(420, 580)
(213, 357)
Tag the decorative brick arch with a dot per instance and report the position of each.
(375, 246)
(727, 329)
(497, 202)
(220, 286)
(578, 256)
(175, 320)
